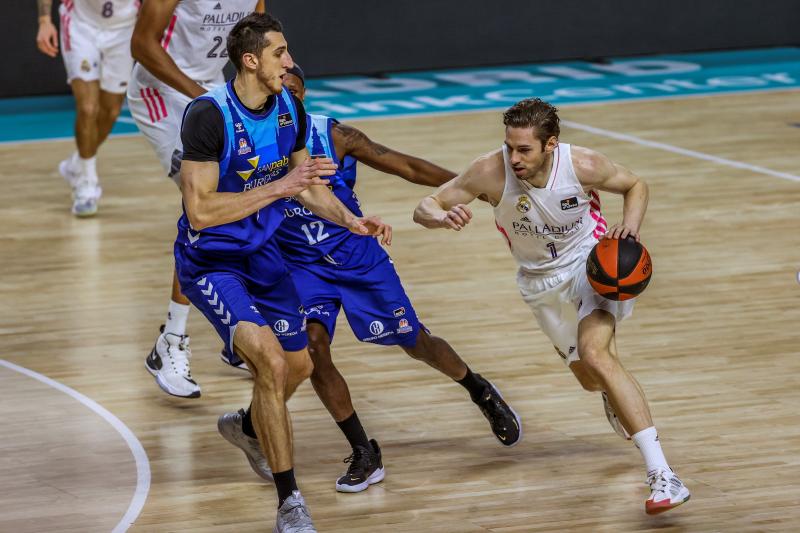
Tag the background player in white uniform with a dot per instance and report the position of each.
(547, 208)
(95, 45)
(179, 46)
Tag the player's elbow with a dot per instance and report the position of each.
(139, 48)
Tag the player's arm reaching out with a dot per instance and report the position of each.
(47, 36)
(353, 142)
(319, 199)
(596, 171)
(447, 207)
(154, 17)
(205, 207)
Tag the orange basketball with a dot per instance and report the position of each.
(619, 269)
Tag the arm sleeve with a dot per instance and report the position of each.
(203, 133)
(302, 125)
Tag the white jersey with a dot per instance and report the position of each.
(103, 14)
(550, 230)
(196, 35)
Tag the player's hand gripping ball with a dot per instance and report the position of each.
(619, 269)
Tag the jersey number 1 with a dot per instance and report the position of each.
(321, 234)
(552, 247)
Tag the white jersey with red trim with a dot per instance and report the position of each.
(103, 14)
(196, 34)
(550, 229)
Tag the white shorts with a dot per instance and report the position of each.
(560, 302)
(91, 53)
(158, 111)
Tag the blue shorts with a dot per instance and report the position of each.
(359, 276)
(255, 288)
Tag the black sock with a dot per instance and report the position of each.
(474, 383)
(354, 431)
(247, 424)
(285, 483)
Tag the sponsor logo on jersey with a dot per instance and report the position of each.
(403, 327)
(523, 204)
(264, 173)
(569, 203)
(281, 326)
(244, 148)
(218, 6)
(400, 311)
(222, 19)
(525, 219)
(527, 229)
(238, 127)
(284, 120)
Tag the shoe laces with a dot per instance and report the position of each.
(179, 353)
(658, 480)
(297, 514)
(86, 190)
(360, 461)
(491, 403)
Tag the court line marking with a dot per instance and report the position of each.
(140, 456)
(678, 150)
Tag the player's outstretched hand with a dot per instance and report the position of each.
(47, 39)
(372, 226)
(309, 172)
(620, 231)
(456, 217)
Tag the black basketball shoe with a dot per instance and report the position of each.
(366, 468)
(505, 422)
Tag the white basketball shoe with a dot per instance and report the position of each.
(667, 491)
(168, 362)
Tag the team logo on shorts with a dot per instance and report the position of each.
(285, 120)
(376, 327)
(244, 148)
(523, 204)
(403, 326)
(569, 203)
(85, 66)
(281, 326)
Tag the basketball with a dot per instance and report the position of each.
(619, 269)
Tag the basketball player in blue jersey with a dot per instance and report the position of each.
(333, 269)
(244, 151)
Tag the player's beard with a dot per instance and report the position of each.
(271, 84)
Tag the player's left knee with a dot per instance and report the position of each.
(598, 360)
(421, 348)
(303, 369)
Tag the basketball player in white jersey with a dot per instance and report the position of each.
(95, 45)
(546, 206)
(179, 46)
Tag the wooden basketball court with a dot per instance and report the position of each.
(713, 341)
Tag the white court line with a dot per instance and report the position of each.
(142, 463)
(678, 150)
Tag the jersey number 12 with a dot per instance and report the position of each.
(321, 234)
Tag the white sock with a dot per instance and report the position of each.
(176, 318)
(87, 167)
(647, 442)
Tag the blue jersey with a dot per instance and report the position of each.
(303, 236)
(256, 152)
